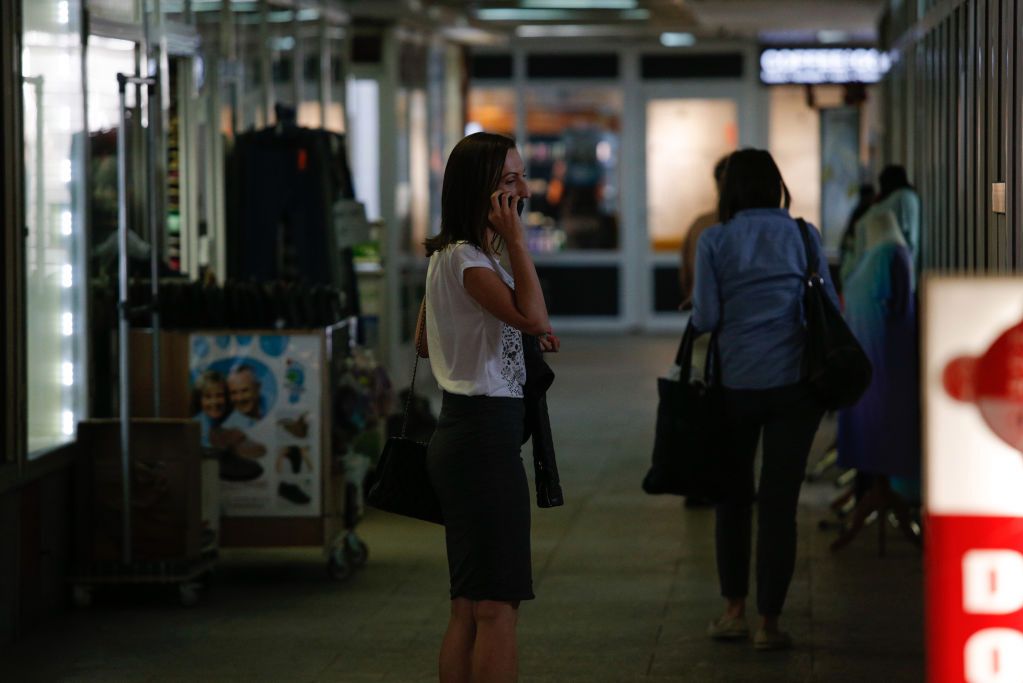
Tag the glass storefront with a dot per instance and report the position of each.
(572, 158)
(685, 139)
(54, 259)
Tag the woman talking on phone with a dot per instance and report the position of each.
(475, 315)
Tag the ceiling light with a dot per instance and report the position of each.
(572, 31)
(678, 39)
(831, 37)
(578, 4)
(525, 14)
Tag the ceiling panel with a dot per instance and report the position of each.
(770, 20)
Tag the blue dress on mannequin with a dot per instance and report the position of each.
(880, 434)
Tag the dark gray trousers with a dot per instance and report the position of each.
(788, 418)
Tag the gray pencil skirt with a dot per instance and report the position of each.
(475, 465)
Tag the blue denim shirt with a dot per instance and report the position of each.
(752, 269)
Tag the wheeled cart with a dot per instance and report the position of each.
(189, 577)
(263, 401)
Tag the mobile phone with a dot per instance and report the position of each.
(521, 205)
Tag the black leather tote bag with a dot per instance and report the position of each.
(834, 364)
(402, 483)
(690, 441)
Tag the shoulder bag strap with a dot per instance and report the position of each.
(813, 276)
(415, 365)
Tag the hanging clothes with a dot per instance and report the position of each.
(904, 204)
(282, 183)
(880, 434)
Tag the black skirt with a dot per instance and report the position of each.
(475, 466)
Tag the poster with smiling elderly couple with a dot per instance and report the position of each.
(257, 400)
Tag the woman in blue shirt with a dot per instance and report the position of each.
(749, 289)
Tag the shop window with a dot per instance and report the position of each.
(492, 110)
(795, 142)
(54, 259)
(685, 139)
(572, 154)
(363, 102)
(412, 193)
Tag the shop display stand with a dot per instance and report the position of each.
(334, 529)
(185, 573)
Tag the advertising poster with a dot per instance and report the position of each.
(973, 390)
(258, 401)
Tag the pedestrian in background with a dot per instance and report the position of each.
(750, 274)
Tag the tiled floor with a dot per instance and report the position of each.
(625, 583)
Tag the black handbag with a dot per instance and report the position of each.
(834, 364)
(690, 441)
(402, 483)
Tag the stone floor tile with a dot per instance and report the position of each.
(626, 583)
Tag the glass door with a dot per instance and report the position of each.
(54, 226)
(687, 134)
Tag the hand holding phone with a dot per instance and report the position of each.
(505, 209)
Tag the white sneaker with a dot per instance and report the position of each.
(728, 628)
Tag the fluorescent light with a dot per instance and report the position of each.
(67, 324)
(578, 4)
(67, 373)
(678, 39)
(65, 171)
(514, 14)
(473, 36)
(282, 43)
(63, 12)
(473, 127)
(566, 31)
(67, 420)
(65, 276)
(65, 223)
(831, 37)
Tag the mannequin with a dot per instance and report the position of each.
(879, 435)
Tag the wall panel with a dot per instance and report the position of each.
(962, 63)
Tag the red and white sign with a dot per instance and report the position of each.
(973, 471)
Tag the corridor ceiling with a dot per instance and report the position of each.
(771, 21)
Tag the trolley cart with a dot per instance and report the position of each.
(280, 484)
(189, 577)
(124, 484)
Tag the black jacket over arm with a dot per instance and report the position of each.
(539, 378)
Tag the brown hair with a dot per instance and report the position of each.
(472, 173)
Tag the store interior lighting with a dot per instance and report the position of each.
(574, 31)
(578, 4)
(524, 14)
(832, 37)
(672, 39)
(68, 423)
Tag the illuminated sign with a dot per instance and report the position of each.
(822, 65)
(973, 486)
